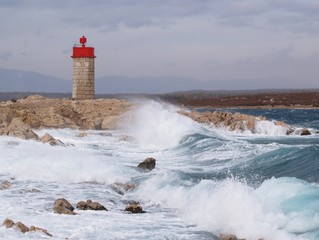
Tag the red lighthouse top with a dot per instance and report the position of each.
(81, 51)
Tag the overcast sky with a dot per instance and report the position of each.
(202, 39)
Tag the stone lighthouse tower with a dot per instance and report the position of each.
(83, 71)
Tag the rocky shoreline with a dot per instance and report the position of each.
(19, 117)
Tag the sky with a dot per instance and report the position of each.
(209, 40)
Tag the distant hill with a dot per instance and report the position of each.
(24, 81)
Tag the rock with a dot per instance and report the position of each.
(19, 129)
(305, 132)
(62, 206)
(8, 223)
(147, 164)
(89, 205)
(122, 188)
(47, 138)
(230, 121)
(38, 229)
(82, 134)
(23, 228)
(5, 185)
(227, 237)
(41, 112)
(134, 208)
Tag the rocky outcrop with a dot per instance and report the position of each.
(147, 164)
(134, 208)
(8, 223)
(47, 138)
(5, 185)
(40, 112)
(62, 206)
(89, 205)
(232, 121)
(17, 128)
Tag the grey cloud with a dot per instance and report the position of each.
(5, 55)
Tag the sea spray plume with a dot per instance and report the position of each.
(156, 125)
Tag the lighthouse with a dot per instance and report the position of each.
(83, 71)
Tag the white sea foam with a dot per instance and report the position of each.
(158, 126)
(233, 207)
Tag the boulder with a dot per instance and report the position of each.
(47, 138)
(89, 205)
(134, 208)
(19, 129)
(62, 206)
(122, 188)
(5, 185)
(147, 164)
(305, 132)
(23, 228)
(8, 223)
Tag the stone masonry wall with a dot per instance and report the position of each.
(83, 78)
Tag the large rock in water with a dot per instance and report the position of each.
(89, 205)
(19, 129)
(147, 164)
(47, 138)
(62, 206)
(134, 208)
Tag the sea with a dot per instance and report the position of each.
(207, 181)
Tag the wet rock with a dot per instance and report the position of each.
(122, 188)
(227, 237)
(89, 205)
(23, 228)
(47, 138)
(38, 229)
(8, 223)
(62, 206)
(134, 208)
(305, 132)
(5, 185)
(19, 129)
(147, 164)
